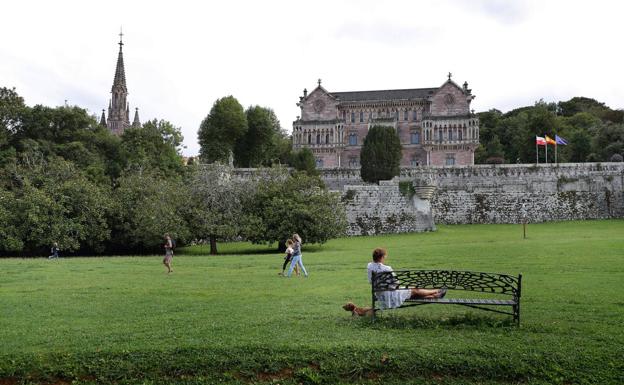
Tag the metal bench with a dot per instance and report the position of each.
(500, 284)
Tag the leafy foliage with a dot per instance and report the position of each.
(224, 126)
(594, 132)
(295, 204)
(381, 154)
(303, 160)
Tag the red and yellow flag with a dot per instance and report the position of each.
(550, 140)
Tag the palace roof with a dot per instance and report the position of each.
(407, 94)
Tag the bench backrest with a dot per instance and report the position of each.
(453, 280)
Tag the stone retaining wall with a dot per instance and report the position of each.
(493, 193)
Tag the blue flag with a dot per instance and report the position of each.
(560, 140)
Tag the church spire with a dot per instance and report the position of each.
(103, 119)
(136, 122)
(120, 71)
(118, 108)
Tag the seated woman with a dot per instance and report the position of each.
(394, 298)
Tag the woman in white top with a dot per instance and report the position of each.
(395, 298)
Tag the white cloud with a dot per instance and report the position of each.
(181, 56)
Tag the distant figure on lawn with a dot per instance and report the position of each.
(168, 253)
(296, 259)
(395, 298)
(54, 251)
(288, 257)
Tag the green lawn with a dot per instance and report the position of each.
(232, 319)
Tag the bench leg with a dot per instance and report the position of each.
(516, 310)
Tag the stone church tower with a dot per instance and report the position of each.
(118, 106)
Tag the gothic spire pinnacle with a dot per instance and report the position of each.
(136, 122)
(103, 119)
(120, 72)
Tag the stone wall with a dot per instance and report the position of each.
(384, 209)
(503, 193)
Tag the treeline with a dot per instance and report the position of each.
(66, 179)
(594, 132)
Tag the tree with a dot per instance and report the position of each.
(219, 132)
(155, 146)
(148, 206)
(299, 203)
(381, 154)
(258, 147)
(218, 203)
(303, 160)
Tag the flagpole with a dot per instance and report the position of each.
(556, 152)
(536, 152)
(546, 152)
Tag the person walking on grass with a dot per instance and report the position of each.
(288, 257)
(54, 251)
(296, 260)
(168, 253)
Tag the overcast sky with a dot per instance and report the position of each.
(180, 56)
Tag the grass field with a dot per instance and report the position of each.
(232, 319)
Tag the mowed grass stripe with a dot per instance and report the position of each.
(127, 311)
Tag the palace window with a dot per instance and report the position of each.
(318, 138)
(353, 117)
(450, 159)
(319, 163)
(361, 116)
(414, 162)
(326, 138)
(459, 135)
(415, 115)
(309, 138)
(353, 139)
(405, 115)
(353, 162)
(415, 138)
(440, 135)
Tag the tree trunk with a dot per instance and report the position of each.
(213, 245)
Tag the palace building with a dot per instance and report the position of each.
(118, 106)
(435, 125)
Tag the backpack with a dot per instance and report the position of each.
(173, 244)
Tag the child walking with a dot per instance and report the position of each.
(54, 251)
(288, 257)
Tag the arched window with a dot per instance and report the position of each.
(440, 135)
(326, 138)
(459, 134)
(415, 117)
(405, 115)
(309, 138)
(353, 117)
(353, 139)
(415, 138)
(318, 138)
(319, 163)
(361, 116)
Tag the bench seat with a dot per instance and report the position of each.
(506, 287)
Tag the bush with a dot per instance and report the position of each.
(616, 158)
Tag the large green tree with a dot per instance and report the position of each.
(219, 132)
(217, 204)
(260, 145)
(301, 204)
(381, 154)
(303, 160)
(155, 145)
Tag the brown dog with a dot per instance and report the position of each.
(360, 311)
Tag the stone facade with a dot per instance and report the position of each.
(118, 106)
(385, 209)
(507, 193)
(435, 125)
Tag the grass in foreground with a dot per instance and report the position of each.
(232, 319)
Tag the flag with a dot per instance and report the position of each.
(550, 140)
(540, 141)
(560, 140)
